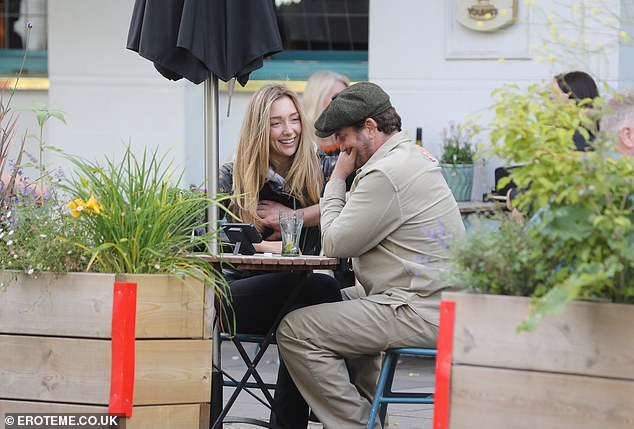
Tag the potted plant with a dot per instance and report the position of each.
(456, 160)
(542, 340)
(103, 308)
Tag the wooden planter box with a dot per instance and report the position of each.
(138, 345)
(575, 370)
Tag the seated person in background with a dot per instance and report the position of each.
(275, 160)
(320, 88)
(620, 122)
(394, 225)
(578, 86)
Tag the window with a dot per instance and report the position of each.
(15, 37)
(320, 34)
(324, 25)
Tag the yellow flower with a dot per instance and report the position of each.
(504, 12)
(501, 60)
(624, 36)
(79, 205)
(93, 205)
(479, 24)
(76, 206)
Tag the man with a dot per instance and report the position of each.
(620, 122)
(395, 224)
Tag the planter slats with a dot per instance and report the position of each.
(172, 371)
(167, 307)
(80, 305)
(189, 416)
(55, 369)
(583, 340)
(58, 354)
(74, 304)
(485, 397)
(576, 369)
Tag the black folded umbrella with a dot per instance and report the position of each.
(192, 38)
(203, 40)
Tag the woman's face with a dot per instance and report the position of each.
(336, 89)
(558, 89)
(285, 130)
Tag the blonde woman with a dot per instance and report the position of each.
(320, 88)
(275, 165)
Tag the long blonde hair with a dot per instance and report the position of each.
(317, 89)
(252, 160)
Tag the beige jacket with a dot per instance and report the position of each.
(395, 226)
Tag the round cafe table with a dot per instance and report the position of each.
(256, 262)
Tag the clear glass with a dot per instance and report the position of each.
(291, 222)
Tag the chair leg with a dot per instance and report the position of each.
(384, 394)
(385, 377)
(390, 367)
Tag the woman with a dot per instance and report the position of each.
(578, 86)
(320, 88)
(275, 161)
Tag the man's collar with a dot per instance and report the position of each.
(393, 141)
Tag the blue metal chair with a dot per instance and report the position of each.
(384, 394)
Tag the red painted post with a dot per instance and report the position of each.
(123, 337)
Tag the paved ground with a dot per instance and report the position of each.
(415, 374)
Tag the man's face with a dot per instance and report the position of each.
(356, 142)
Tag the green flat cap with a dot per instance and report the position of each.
(352, 105)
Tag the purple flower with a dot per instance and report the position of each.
(29, 24)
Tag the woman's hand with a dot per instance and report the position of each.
(268, 247)
(269, 211)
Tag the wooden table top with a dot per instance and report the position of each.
(468, 207)
(262, 261)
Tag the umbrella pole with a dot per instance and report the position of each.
(211, 183)
(211, 151)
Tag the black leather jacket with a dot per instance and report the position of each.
(310, 240)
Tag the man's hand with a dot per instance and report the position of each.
(269, 211)
(345, 165)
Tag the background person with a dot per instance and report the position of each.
(578, 86)
(394, 224)
(320, 88)
(619, 121)
(275, 160)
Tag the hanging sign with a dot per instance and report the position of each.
(486, 15)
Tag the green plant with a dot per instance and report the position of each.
(137, 220)
(582, 203)
(497, 256)
(30, 218)
(127, 217)
(457, 146)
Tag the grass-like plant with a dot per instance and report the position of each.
(138, 220)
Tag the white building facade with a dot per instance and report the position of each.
(435, 69)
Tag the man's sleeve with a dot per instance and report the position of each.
(371, 213)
